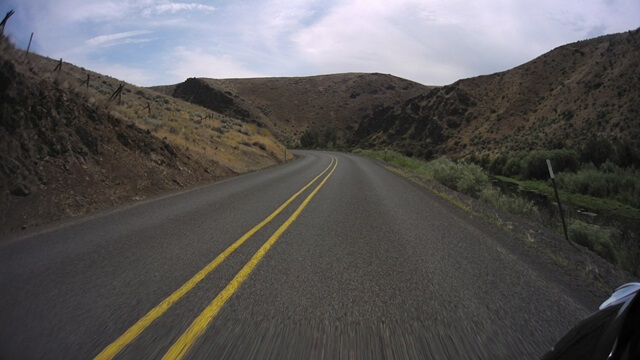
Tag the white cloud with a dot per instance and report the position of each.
(118, 38)
(177, 7)
(185, 63)
(440, 41)
(430, 41)
(132, 75)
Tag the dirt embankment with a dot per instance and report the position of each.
(62, 157)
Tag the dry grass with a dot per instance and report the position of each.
(205, 134)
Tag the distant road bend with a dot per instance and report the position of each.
(329, 256)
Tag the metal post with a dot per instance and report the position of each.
(29, 46)
(555, 189)
(285, 155)
(385, 154)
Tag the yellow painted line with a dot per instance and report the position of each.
(199, 325)
(125, 339)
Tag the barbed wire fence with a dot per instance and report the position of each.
(86, 85)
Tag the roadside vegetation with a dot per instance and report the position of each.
(591, 179)
(607, 187)
(326, 138)
(469, 179)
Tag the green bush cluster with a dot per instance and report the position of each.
(598, 151)
(313, 139)
(467, 178)
(603, 242)
(396, 158)
(532, 165)
(608, 181)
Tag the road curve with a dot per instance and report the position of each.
(360, 264)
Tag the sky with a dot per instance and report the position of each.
(433, 42)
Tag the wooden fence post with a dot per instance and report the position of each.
(29, 46)
(86, 81)
(59, 66)
(117, 93)
(4, 21)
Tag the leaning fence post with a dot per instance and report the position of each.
(59, 66)
(86, 81)
(4, 21)
(555, 188)
(117, 93)
(29, 46)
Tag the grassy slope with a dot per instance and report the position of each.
(199, 131)
(68, 150)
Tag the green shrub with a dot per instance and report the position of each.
(312, 138)
(596, 151)
(508, 203)
(329, 138)
(309, 139)
(610, 181)
(444, 171)
(534, 165)
(626, 155)
(469, 179)
(596, 238)
(497, 164)
(513, 167)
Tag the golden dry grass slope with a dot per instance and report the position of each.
(65, 148)
(562, 99)
(290, 105)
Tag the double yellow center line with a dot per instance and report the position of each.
(197, 328)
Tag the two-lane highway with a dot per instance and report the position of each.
(329, 256)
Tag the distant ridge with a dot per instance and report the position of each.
(290, 105)
(563, 99)
(567, 98)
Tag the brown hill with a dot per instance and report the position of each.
(562, 99)
(289, 106)
(65, 149)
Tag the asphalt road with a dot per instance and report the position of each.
(361, 264)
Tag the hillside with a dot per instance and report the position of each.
(574, 94)
(290, 106)
(65, 149)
